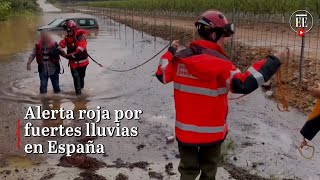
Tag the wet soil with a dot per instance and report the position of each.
(119, 163)
(239, 173)
(141, 146)
(121, 176)
(274, 135)
(81, 161)
(169, 169)
(155, 175)
(245, 51)
(47, 177)
(88, 175)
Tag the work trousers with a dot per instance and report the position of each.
(78, 75)
(199, 159)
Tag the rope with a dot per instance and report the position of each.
(305, 144)
(235, 98)
(283, 105)
(135, 67)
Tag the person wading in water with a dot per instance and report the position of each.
(47, 54)
(76, 44)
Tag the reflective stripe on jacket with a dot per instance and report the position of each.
(203, 76)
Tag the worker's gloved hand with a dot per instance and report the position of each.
(63, 53)
(283, 55)
(28, 66)
(69, 56)
(174, 46)
(315, 91)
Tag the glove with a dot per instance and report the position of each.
(283, 55)
(69, 56)
(174, 46)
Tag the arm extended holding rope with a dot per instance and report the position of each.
(312, 126)
(256, 75)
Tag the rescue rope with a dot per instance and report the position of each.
(135, 67)
(235, 98)
(283, 105)
(305, 144)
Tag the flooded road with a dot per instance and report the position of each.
(115, 46)
(272, 135)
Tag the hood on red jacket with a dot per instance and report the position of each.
(205, 66)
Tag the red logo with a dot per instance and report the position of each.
(301, 32)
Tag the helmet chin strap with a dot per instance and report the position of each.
(210, 36)
(213, 37)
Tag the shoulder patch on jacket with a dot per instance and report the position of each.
(184, 53)
(80, 37)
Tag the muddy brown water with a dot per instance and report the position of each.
(273, 135)
(115, 45)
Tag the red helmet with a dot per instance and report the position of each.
(71, 25)
(215, 21)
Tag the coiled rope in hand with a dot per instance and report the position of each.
(305, 144)
(282, 88)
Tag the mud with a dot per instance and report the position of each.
(141, 164)
(121, 176)
(242, 174)
(155, 175)
(47, 177)
(274, 135)
(86, 139)
(141, 146)
(88, 175)
(169, 169)
(81, 161)
(119, 163)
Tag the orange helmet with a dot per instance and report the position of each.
(213, 21)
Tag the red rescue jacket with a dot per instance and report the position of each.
(52, 53)
(203, 76)
(77, 46)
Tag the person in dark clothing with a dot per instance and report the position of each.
(47, 54)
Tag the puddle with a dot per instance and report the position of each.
(19, 162)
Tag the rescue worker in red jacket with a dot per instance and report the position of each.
(76, 44)
(203, 75)
(47, 54)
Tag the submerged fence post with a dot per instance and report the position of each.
(142, 23)
(301, 59)
(302, 54)
(155, 26)
(232, 37)
(171, 23)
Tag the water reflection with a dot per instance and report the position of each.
(51, 104)
(55, 103)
